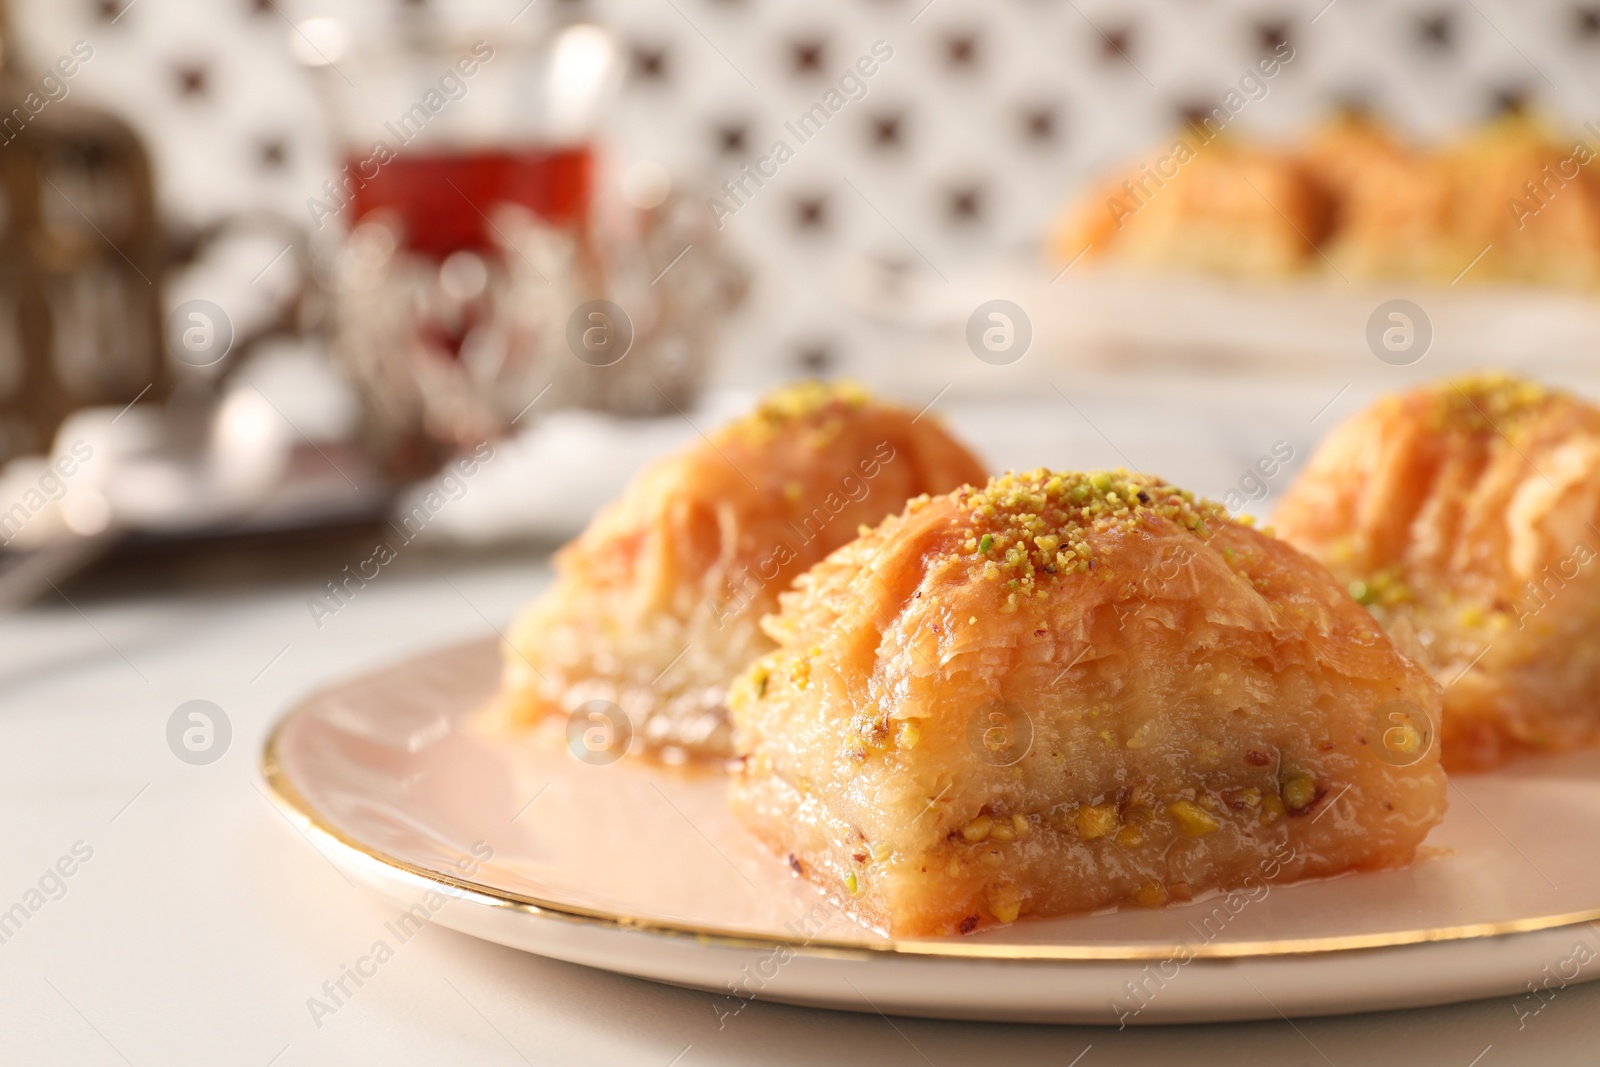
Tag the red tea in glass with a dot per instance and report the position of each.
(444, 198)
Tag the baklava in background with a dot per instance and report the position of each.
(1510, 202)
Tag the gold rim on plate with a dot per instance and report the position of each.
(312, 822)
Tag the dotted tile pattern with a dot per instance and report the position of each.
(978, 117)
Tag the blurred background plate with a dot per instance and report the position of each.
(1119, 320)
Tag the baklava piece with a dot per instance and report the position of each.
(1391, 202)
(1508, 203)
(655, 607)
(1222, 207)
(1525, 207)
(1063, 692)
(1464, 515)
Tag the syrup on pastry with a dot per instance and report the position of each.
(1219, 206)
(1062, 692)
(1511, 202)
(1464, 515)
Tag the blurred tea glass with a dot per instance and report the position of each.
(479, 258)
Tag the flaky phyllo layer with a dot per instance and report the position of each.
(1068, 691)
(1466, 515)
(655, 607)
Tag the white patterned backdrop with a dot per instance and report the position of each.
(965, 142)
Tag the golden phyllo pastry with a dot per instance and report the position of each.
(1391, 202)
(1464, 514)
(655, 607)
(1524, 206)
(1222, 206)
(1509, 203)
(1062, 692)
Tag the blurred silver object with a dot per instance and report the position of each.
(491, 262)
(460, 349)
(80, 255)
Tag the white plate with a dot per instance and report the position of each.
(639, 869)
(1124, 319)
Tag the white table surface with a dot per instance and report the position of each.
(203, 923)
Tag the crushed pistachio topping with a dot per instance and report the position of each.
(1384, 589)
(809, 401)
(1192, 819)
(1138, 817)
(800, 668)
(1005, 902)
(1030, 525)
(907, 733)
(1096, 821)
(1299, 792)
(1402, 739)
(801, 399)
(1151, 896)
(977, 830)
(870, 727)
(1493, 401)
